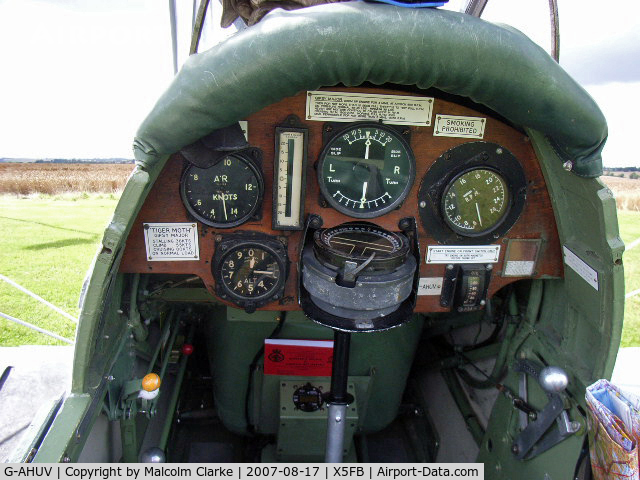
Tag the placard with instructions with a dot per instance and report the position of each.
(466, 254)
(351, 107)
(171, 241)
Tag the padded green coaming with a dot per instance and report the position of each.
(356, 42)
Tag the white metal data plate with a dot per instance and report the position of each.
(457, 254)
(430, 286)
(460, 127)
(167, 242)
(350, 107)
(518, 268)
(580, 267)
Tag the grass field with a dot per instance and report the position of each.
(56, 178)
(48, 242)
(627, 192)
(630, 232)
(47, 245)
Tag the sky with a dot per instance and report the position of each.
(79, 76)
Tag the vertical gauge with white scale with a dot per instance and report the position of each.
(289, 175)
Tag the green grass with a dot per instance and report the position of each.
(47, 244)
(629, 231)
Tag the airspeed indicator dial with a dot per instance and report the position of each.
(225, 194)
(366, 170)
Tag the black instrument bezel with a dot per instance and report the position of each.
(458, 161)
(251, 157)
(307, 389)
(330, 133)
(238, 241)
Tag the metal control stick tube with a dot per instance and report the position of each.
(335, 433)
(338, 398)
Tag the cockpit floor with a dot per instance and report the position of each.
(208, 442)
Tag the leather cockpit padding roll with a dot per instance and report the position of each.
(355, 42)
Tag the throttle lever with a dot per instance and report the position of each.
(554, 381)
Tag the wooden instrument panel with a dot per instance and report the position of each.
(164, 204)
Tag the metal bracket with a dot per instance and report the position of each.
(349, 273)
(130, 404)
(532, 440)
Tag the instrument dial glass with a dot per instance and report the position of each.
(358, 242)
(366, 170)
(224, 195)
(308, 398)
(475, 201)
(251, 272)
(289, 178)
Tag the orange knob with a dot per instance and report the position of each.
(151, 382)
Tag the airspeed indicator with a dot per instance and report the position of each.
(225, 194)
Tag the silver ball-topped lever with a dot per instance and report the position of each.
(153, 455)
(553, 379)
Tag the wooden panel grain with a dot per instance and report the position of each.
(164, 204)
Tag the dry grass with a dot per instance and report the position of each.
(56, 178)
(626, 191)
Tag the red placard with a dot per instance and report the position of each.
(309, 358)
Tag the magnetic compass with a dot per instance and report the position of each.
(361, 242)
(358, 277)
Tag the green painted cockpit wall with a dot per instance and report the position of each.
(577, 327)
(581, 318)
